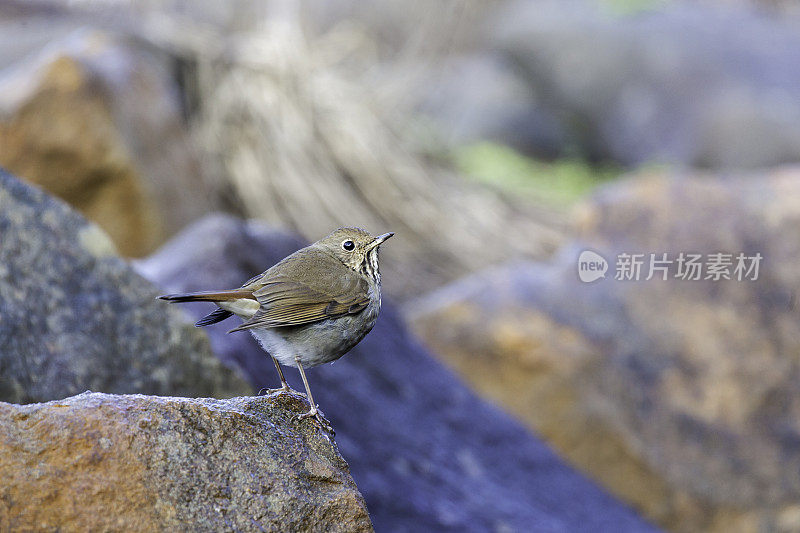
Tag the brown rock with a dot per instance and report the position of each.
(679, 396)
(96, 121)
(100, 462)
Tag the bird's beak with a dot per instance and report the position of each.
(379, 240)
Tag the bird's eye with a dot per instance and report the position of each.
(348, 245)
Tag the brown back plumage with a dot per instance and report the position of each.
(327, 279)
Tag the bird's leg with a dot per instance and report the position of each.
(314, 411)
(284, 385)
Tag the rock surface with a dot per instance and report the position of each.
(686, 83)
(679, 396)
(427, 454)
(96, 121)
(74, 316)
(101, 462)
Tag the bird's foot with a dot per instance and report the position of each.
(283, 388)
(323, 422)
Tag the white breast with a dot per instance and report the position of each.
(275, 344)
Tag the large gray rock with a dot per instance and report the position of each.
(680, 396)
(73, 316)
(101, 462)
(685, 84)
(427, 454)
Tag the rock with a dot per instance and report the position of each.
(427, 454)
(74, 316)
(96, 121)
(102, 462)
(684, 84)
(679, 396)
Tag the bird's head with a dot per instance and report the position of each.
(356, 248)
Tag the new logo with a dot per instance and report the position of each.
(591, 266)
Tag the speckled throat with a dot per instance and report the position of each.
(369, 268)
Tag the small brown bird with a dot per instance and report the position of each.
(310, 308)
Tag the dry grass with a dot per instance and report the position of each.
(302, 119)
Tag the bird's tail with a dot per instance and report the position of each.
(218, 296)
(218, 314)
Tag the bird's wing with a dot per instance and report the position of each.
(295, 297)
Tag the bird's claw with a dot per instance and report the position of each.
(323, 422)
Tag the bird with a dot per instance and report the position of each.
(310, 308)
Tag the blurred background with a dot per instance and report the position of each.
(498, 140)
